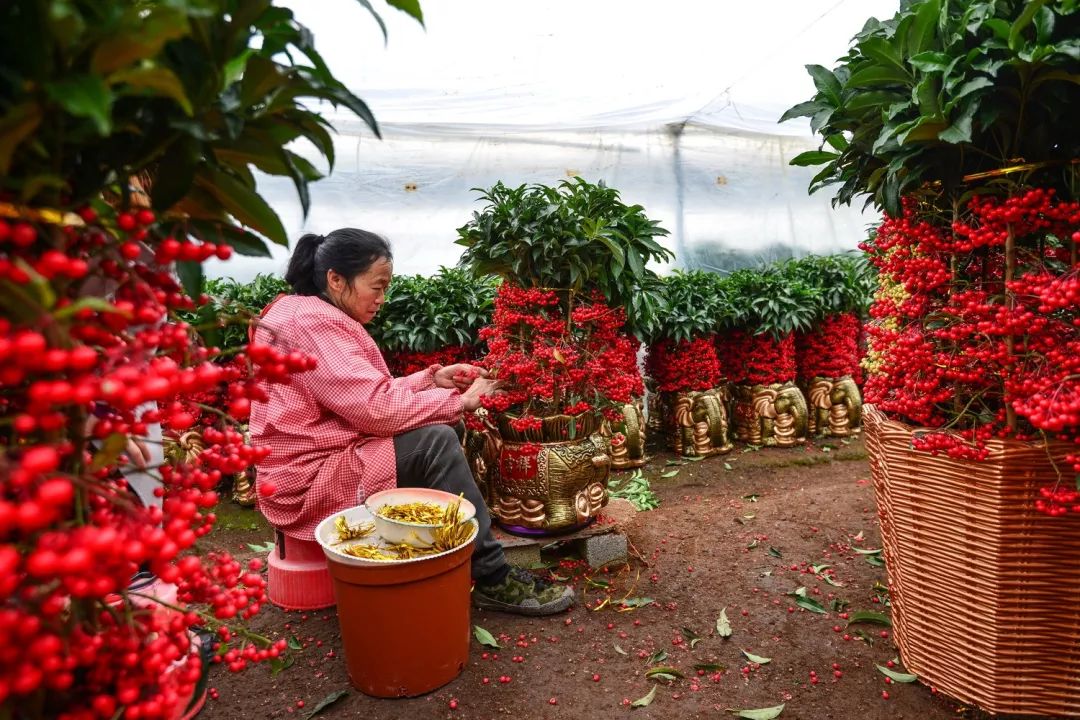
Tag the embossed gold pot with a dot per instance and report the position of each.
(696, 423)
(627, 437)
(770, 414)
(835, 406)
(552, 478)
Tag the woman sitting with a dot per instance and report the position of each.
(347, 429)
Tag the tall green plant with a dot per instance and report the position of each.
(692, 304)
(577, 235)
(193, 94)
(946, 90)
(424, 314)
(769, 301)
(224, 320)
(839, 283)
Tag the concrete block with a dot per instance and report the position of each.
(601, 550)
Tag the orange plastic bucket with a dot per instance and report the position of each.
(404, 625)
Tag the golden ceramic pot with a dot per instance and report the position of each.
(697, 423)
(551, 478)
(627, 437)
(835, 406)
(770, 414)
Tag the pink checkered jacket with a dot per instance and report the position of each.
(331, 430)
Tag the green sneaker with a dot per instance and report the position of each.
(524, 594)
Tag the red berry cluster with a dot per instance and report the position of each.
(406, 362)
(831, 349)
(559, 353)
(91, 354)
(976, 325)
(749, 359)
(684, 365)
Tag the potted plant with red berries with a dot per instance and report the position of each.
(573, 263)
(827, 355)
(433, 320)
(692, 396)
(101, 592)
(757, 352)
(972, 420)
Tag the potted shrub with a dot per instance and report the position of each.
(827, 355)
(97, 96)
(573, 263)
(972, 370)
(692, 397)
(757, 352)
(435, 319)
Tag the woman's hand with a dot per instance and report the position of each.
(470, 399)
(459, 375)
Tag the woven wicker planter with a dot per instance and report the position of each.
(984, 588)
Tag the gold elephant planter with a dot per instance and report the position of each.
(628, 451)
(770, 414)
(697, 422)
(546, 482)
(835, 406)
(188, 446)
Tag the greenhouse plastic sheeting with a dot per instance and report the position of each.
(675, 104)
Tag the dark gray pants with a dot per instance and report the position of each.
(432, 457)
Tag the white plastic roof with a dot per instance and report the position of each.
(674, 103)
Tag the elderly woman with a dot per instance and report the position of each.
(347, 429)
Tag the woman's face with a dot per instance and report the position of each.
(363, 297)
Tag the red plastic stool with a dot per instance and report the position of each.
(298, 577)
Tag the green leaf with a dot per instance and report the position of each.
(867, 551)
(813, 157)
(806, 602)
(931, 61)
(775, 553)
(484, 637)
(826, 83)
(723, 625)
(243, 203)
(647, 699)
(191, 277)
(294, 643)
(756, 658)
(261, 547)
(1016, 30)
(161, 80)
(16, 125)
(326, 702)
(620, 650)
(280, 664)
(869, 616)
(760, 713)
(409, 7)
(878, 75)
(636, 602)
(658, 656)
(896, 676)
(670, 474)
(692, 636)
(727, 467)
(109, 451)
(664, 672)
(84, 96)
(97, 304)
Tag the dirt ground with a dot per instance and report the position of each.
(737, 534)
